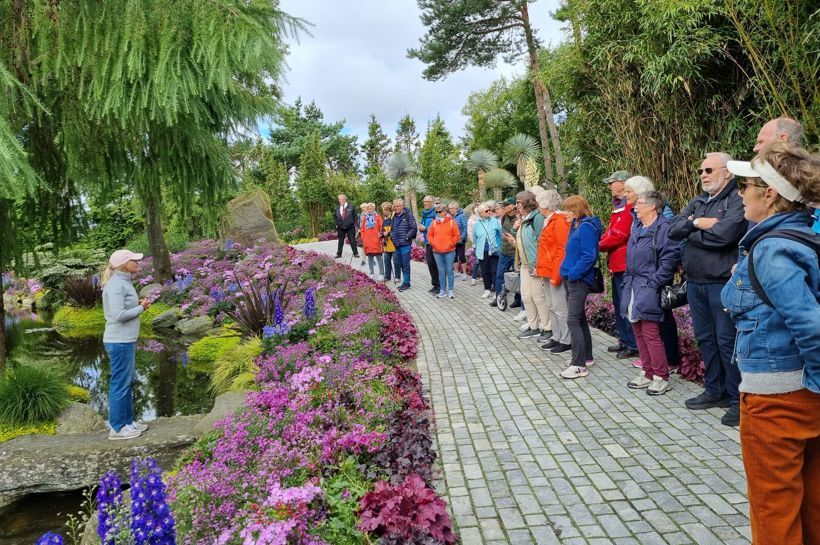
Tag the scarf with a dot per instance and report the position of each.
(370, 220)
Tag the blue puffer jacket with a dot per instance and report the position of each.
(487, 230)
(582, 250)
(427, 218)
(404, 229)
(651, 260)
(787, 337)
(461, 222)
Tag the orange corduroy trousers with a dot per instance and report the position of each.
(780, 440)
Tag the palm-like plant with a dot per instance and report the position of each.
(400, 169)
(522, 151)
(497, 179)
(481, 161)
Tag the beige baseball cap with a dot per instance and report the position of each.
(121, 257)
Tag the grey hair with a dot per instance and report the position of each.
(640, 184)
(481, 208)
(490, 204)
(398, 200)
(454, 203)
(428, 197)
(549, 199)
(722, 155)
(654, 199)
(791, 129)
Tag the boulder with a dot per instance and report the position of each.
(166, 320)
(249, 219)
(224, 405)
(148, 289)
(35, 464)
(79, 418)
(196, 326)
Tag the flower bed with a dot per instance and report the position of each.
(338, 424)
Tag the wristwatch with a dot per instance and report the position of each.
(695, 222)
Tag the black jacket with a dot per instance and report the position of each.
(350, 219)
(709, 254)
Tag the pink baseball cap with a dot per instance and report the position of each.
(121, 257)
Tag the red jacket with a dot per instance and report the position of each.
(371, 238)
(443, 235)
(616, 236)
(551, 248)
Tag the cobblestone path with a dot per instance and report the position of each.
(529, 458)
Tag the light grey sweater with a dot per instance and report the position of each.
(122, 309)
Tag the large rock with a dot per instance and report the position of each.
(196, 326)
(79, 418)
(224, 405)
(166, 320)
(52, 463)
(249, 219)
(148, 289)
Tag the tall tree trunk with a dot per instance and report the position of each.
(156, 238)
(414, 207)
(539, 96)
(482, 185)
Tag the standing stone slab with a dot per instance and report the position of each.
(250, 219)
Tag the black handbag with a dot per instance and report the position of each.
(597, 285)
(674, 296)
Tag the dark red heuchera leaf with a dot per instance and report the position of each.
(408, 449)
(410, 513)
(399, 335)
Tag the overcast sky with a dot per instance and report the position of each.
(355, 63)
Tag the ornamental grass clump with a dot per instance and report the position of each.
(30, 396)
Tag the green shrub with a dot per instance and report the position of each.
(175, 240)
(79, 322)
(78, 394)
(148, 316)
(210, 349)
(236, 369)
(30, 395)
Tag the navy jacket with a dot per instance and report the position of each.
(582, 250)
(404, 229)
(651, 260)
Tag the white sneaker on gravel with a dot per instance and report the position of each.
(126, 432)
(574, 371)
(486, 294)
(441, 295)
(658, 387)
(522, 315)
(639, 382)
(525, 326)
(473, 282)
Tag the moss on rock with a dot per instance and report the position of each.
(209, 349)
(79, 322)
(9, 432)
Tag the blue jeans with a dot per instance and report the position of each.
(446, 276)
(622, 325)
(505, 263)
(715, 333)
(123, 357)
(402, 257)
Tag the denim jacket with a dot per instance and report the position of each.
(777, 349)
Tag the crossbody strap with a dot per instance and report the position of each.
(806, 239)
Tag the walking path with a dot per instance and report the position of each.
(529, 458)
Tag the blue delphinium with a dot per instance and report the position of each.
(50, 538)
(310, 303)
(278, 311)
(228, 245)
(109, 501)
(151, 520)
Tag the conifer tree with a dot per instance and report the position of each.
(407, 137)
(437, 159)
(376, 148)
(311, 183)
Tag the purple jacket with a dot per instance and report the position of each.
(651, 260)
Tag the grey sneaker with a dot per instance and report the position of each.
(639, 382)
(452, 294)
(574, 371)
(126, 432)
(140, 426)
(658, 387)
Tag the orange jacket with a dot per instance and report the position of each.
(443, 235)
(371, 238)
(551, 247)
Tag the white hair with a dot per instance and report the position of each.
(640, 184)
(481, 208)
(549, 199)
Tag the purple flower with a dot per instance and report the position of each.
(50, 538)
(109, 500)
(310, 303)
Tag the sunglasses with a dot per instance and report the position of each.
(742, 184)
(441, 211)
(707, 170)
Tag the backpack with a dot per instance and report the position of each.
(807, 239)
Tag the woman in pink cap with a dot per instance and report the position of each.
(122, 309)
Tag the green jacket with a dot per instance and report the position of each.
(507, 248)
(530, 234)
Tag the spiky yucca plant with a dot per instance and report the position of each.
(498, 179)
(412, 186)
(522, 151)
(482, 161)
(400, 168)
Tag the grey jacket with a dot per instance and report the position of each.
(122, 309)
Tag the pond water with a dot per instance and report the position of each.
(165, 386)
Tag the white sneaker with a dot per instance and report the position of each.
(396, 280)
(574, 371)
(441, 295)
(380, 278)
(639, 382)
(452, 294)
(525, 326)
(485, 294)
(522, 315)
(126, 432)
(658, 387)
(140, 426)
(473, 281)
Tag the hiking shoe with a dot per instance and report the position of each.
(705, 401)
(574, 371)
(549, 344)
(658, 387)
(637, 363)
(404, 287)
(441, 295)
(522, 315)
(126, 432)
(639, 382)
(515, 304)
(560, 348)
(545, 335)
(527, 333)
(380, 278)
(615, 348)
(433, 290)
(732, 416)
(625, 353)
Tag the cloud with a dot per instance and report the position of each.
(355, 63)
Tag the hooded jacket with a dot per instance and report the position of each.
(443, 235)
(616, 236)
(427, 217)
(582, 250)
(551, 247)
(371, 237)
(461, 222)
(530, 228)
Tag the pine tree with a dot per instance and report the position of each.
(376, 148)
(277, 185)
(437, 159)
(311, 183)
(407, 137)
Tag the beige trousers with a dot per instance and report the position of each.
(532, 294)
(556, 297)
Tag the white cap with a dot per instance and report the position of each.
(759, 168)
(121, 257)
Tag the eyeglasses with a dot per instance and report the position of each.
(742, 184)
(641, 203)
(441, 211)
(708, 170)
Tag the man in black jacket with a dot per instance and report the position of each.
(711, 226)
(346, 221)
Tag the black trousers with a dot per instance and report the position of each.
(669, 335)
(350, 233)
(431, 265)
(580, 337)
(489, 268)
